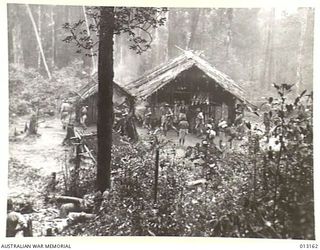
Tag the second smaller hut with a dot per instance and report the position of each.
(88, 96)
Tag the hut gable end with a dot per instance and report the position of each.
(152, 81)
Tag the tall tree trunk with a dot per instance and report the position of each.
(105, 93)
(16, 44)
(251, 66)
(53, 37)
(93, 69)
(122, 52)
(271, 53)
(303, 29)
(69, 13)
(171, 32)
(159, 51)
(38, 40)
(229, 32)
(266, 56)
(267, 70)
(39, 31)
(165, 55)
(194, 25)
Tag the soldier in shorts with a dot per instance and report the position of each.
(183, 130)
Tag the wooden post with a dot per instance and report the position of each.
(77, 169)
(38, 109)
(65, 174)
(254, 168)
(156, 176)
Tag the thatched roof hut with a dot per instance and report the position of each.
(191, 80)
(152, 81)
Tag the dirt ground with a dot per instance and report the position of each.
(32, 159)
(41, 152)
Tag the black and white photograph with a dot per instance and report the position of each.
(160, 121)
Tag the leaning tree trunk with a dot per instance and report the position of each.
(38, 40)
(105, 93)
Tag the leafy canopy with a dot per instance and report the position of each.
(135, 22)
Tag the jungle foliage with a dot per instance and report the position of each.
(255, 192)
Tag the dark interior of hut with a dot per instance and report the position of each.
(196, 90)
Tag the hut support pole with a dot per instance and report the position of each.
(156, 176)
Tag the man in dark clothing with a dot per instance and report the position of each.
(16, 223)
(166, 119)
(239, 114)
(69, 135)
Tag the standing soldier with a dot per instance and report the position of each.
(199, 122)
(183, 107)
(210, 133)
(65, 113)
(183, 130)
(83, 116)
(166, 118)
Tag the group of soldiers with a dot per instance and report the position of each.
(180, 119)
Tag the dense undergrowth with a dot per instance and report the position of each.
(254, 192)
(24, 81)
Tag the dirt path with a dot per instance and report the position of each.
(32, 160)
(42, 152)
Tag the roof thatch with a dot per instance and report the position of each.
(165, 73)
(92, 88)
